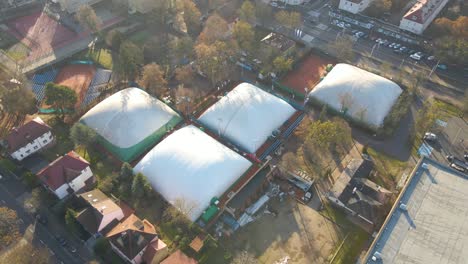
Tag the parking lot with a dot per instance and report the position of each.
(452, 139)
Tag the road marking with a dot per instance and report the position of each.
(51, 252)
(456, 136)
(42, 242)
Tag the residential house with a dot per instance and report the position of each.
(66, 175)
(140, 6)
(100, 214)
(29, 138)
(354, 6)
(357, 195)
(136, 241)
(179, 257)
(420, 16)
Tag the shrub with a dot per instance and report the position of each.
(101, 246)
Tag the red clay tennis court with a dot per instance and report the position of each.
(78, 77)
(40, 32)
(306, 73)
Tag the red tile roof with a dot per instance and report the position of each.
(179, 258)
(20, 137)
(422, 10)
(63, 170)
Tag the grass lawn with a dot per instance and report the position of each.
(389, 169)
(352, 246)
(6, 40)
(102, 57)
(140, 37)
(18, 51)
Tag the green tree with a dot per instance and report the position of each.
(247, 12)
(325, 134)
(182, 48)
(451, 49)
(126, 173)
(244, 35)
(83, 135)
(9, 227)
(88, 18)
(130, 58)
(282, 64)
(114, 39)
(70, 220)
(185, 74)
(60, 97)
(17, 100)
(101, 246)
(139, 186)
(378, 7)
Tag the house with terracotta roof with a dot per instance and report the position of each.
(136, 241)
(354, 6)
(100, 214)
(66, 175)
(179, 257)
(421, 15)
(28, 139)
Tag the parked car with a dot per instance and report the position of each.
(466, 157)
(449, 158)
(397, 46)
(61, 240)
(442, 67)
(428, 136)
(431, 58)
(72, 249)
(416, 56)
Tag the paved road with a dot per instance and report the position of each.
(8, 192)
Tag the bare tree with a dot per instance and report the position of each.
(244, 257)
(152, 79)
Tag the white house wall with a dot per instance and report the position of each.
(79, 182)
(118, 214)
(33, 147)
(352, 7)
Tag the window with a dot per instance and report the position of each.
(45, 141)
(27, 151)
(21, 155)
(35, 147)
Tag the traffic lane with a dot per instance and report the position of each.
(26, 219)
(62, 253)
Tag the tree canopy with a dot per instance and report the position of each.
(17, 99)
(244, 35)
(9, 227)
(60, 97)
(82, 135)
(25, 252)
(152, 79)
(343, 46)
(213, 59)
(289, 19)
(326, 133)
(130, 58)
(247, 12)
(282, 64)
(88, 18)
(215, 29)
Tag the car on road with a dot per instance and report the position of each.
(41, 219)
(72, 249)
(428, 136)
(466, 156)
(416, 56)
(431, 58)
(274, 4)
(397, 46)
(449, 158)
(459, 165)
(61, 240)
(442, 67)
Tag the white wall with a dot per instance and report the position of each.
(293, 2)
(117, 214)
(33, 147)
(76, 184)
(354, 7)
(418, 28)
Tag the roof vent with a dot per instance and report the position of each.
(354, 190)
(425, 166)
(90, 195)
(377, 256)
(95, 200)
(404, 207)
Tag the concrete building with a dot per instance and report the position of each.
(354, 6)
(136, 241)
(28, 139)
(427, 223)
(293, 2)
(420, 16)
(101, 212)
(66, 175)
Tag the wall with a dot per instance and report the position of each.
(118, 214)
(354, 7)
(79, 182)
(418, 28)
(33, 147)
(61, 192)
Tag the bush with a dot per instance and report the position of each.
(101, 246)
(30, 179)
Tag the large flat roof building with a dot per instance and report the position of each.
(428, 223)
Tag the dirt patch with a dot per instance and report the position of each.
(298, 231)
(307, 73)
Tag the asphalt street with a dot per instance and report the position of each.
(41, 233)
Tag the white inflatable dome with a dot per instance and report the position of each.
(247, 116)
(129, 121)
(360, 94)
(193, 167)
